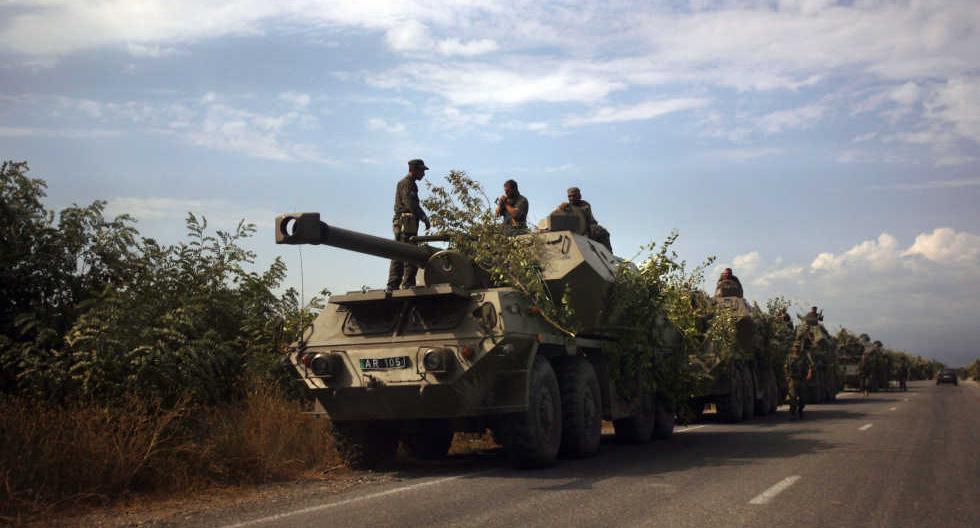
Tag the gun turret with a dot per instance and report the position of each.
(439, 266)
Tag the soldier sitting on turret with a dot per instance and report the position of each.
(578, 206)
(728, 285)
(813, 318)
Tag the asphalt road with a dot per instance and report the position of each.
(891, 459)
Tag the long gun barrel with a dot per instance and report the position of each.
(306, 228)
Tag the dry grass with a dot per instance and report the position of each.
(54, 456)
(472, 442)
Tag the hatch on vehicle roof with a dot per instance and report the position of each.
(372, 296)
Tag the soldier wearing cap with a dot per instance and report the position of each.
(728, 285)
(405, 224)
(578, 206)
(513, 207)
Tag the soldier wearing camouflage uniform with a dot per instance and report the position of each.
(405, 224)
(799, 370)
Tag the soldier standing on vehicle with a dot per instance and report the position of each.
(728, 285)
(799, 370)
(513, 207)
(405, 224)
(577, 205)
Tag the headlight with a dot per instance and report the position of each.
(437, 360)
(326, 365)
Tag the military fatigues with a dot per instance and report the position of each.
(405, 225)
(592, 228)
(730, 287)
(798, 366)
(518, 223)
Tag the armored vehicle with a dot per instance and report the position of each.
(849, 352)
(826, 382)
(455, 354)
(742, 382)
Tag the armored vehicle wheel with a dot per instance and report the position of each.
(730, 405)
(581, 408)
(427, 439)
(664, 421)
(748, 391)
(638, 428)
(366, 445)
(534, 436)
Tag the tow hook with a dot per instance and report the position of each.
(373, 383)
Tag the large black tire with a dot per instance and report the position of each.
(748, 391)
(366, 445)
(533, 437)
(729, 406)
(664, 421)
(581, 408)
(427, 439)
(638, 428)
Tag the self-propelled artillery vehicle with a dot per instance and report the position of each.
(457, 354)
(741, 382)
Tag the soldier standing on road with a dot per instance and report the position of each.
(577, 205)
(799, 370)
(405, 224)
(513, 207)
(728, 285)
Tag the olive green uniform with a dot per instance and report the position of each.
(798, 367)
(592, 228)
(518, 223)
(405, 225)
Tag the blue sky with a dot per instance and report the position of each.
(828, 150)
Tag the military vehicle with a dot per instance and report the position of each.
(817, 341)
(849, 352)
(742, 383)
(457, 355)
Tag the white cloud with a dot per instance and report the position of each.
(931, 185)
(221, 212)
(745, 153)
(89, 133)
(470, 48)
(746, 263)
(946, 246)
(637, 112)
(800, 117)
(410, 36)
(482, 84)
(297, 99)
(378, 124)
(879, 255)
(151, 51)
(905, 94)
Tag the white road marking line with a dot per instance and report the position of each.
(776, 489)
(322, 507)
(692, 428)
(865, 427)
(892, 408)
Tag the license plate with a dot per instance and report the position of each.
(388, 363)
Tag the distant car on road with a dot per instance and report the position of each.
(947, 376)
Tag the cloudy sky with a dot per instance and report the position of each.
(829, 150)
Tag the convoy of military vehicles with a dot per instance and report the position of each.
(411, 367)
